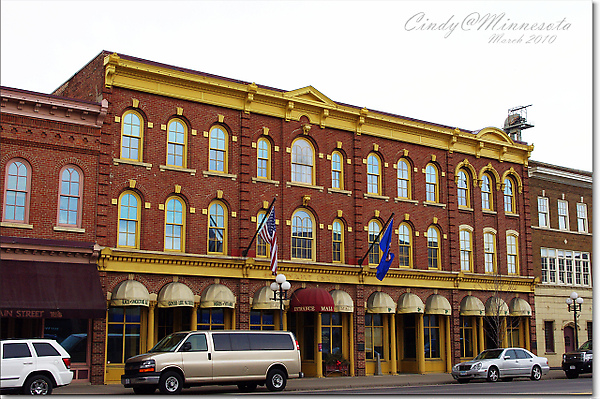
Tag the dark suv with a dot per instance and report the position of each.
(578, 361)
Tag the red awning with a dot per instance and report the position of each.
(311, 300)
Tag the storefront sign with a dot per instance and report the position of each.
(130, 302)
(312, 308)
(31, 314)
(177, 302)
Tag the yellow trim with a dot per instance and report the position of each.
(185, 142)
(439, 247)
(260, 140)
(225, 230)
(469, 230)
(183, 222)
(515, 235)
(369, 242)
(436, 185)
(312, 169)
(380, 171)
(341, 170)
(226, 150)
(313, 238)
(410, 244)
(342, 241)
(141, 138)
(492, 232)
(408, 169)
(138, 219)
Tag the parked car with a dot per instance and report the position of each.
(502, 363)
(578, 361)
(33, 366)
(190, 358)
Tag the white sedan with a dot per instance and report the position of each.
(503, 364)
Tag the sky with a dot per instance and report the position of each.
(455, 63)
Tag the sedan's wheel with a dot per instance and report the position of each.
(37, 385)
(276, 380)
(170, 383)
(572, 374)
(536, 373)
(493, 374)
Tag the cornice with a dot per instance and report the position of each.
(561, 176)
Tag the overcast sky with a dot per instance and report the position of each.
(380, 55)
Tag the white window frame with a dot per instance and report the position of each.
(543, 212)
(582, 219)
(563, 215)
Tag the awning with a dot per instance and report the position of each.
(343, 301)
(30, 289)
(380, 302)
(175, 294)
(495, 306)
(217, 296)
(471, 306)
(130, 293)
(519, 307)
(263, 300)
(410, 303)
(437, 304)
(311, 300)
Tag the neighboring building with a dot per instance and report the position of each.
(561, 220)
(49, 282)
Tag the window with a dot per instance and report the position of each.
(466, 336)
(124, 333)
(15, 351)
(374, 229)
(216, 229)
(509, 196)
(129, 220)
(211, 319)
(302, 162)
(44, 349)
(263, 159)
(338, 241)
(374, 336)
(373, 174)
(543, 216)
(177, 144)
(431, 331)
(431, 184)
(466, 251)
(433, 248)
(337, 170)
(512, 254)
(17, 191)
(549, 336)
(174, 225)
(489, 248)
(132, 133)
(589, 330)
(331, 332)
(69, 203)
(405, 245)
(404, 179)
(563, 215)
(578, 268)
(463, 189)
(262, 247)
(560, 279)
(197, 343)
(569, 263)
(585, 268)
(582, 221)
(302, 235)
(262, 320)
(486, 193)
(513, 329)
(217, 159)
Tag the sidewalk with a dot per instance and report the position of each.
(302, 384)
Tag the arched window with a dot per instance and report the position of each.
(466, 250)
(463, 192)
(431, 184)
(337, 170)
(69, 202)
(217, 159)
(175, 225)
(17, 191)
(263, 159)
(433, 248)
(512, 252)
(405, 244)
(302, 235)
(262, 247)
(487, 202)
(302, 162)
(177, 144)
(373, 174)
(374, 229)
(129, 220)
(404, 179)
(132, 134)
(509, 196)
(338, 241)
(489, 248)
(217, 226)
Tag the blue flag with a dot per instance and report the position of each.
(386, 259)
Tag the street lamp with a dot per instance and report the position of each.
(574, 304)
(280, 288)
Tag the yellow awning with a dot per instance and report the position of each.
(175, 294)
(380, 302)
(130, 293)
(217, 296)
(437, 304)
(263, 300)
(519, 307)
(410, 303)
(343, 301)
(471, 306)
(495, 306)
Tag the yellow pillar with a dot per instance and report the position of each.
(526, 332)
(448, 348)
(386, 341)
(232, 321)
(481, 340)
(150, 339)
(351, 336)
(393, 355)
(284, 320)
(504, 332)
(420, 344)
(319, 357)
(194, 321)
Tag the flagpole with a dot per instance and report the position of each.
(245, 253)
(375, 240)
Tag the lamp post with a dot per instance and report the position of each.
(574, 304)
(280, 288)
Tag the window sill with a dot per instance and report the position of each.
(436, 204)
(489, 212)
(16, 225)
(465, 209)
(511, 215)
(207, 173)
(146, 165)
(304, 185)
(339, 191)
(561, 231)
(398, 199)
(375, 196)
(263, 180)
(177, 169)
(69, 229)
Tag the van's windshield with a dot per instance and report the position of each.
(169, 343)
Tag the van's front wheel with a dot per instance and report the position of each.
(276, 380)
(170, 383)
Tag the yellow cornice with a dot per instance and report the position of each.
(490, 143)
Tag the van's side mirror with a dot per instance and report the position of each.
(186, 347)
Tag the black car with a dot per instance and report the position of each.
(578, 361)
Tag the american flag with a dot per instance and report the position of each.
(268, 232)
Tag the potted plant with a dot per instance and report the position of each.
(335, 362)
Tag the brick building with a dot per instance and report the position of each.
(194, 162)
(562, 255)
(49, 282)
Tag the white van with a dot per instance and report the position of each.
(192, 358)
